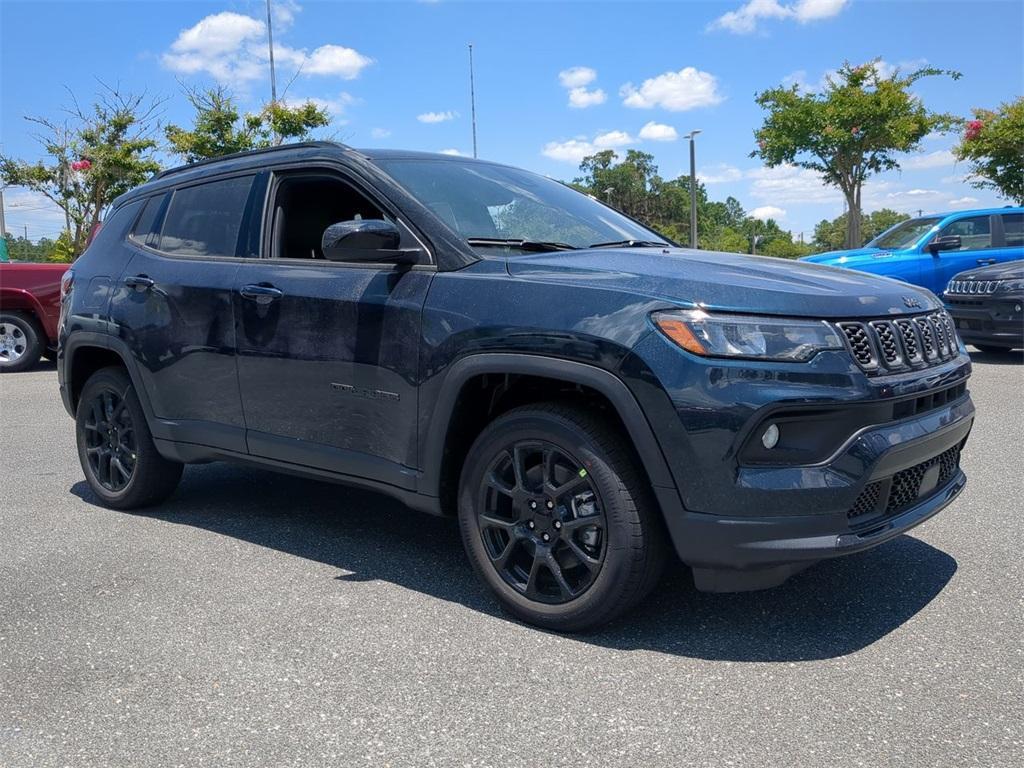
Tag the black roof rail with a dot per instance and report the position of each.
(250, 152)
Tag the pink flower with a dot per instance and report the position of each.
(973, 129)
(761, 143)
(81, 165)
(855, 132)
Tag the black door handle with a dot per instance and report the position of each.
(139, 282)
(261, 294)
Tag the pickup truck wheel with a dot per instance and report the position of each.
(21, 342)
(115, 447)
(557, 519)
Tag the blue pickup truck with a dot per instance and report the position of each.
(929, 250)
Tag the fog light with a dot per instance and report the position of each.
(770, 438)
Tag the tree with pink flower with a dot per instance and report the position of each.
(993, 142)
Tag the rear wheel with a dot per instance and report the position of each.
(556, 518)
(115, 447)
(21, 342)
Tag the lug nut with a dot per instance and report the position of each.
(531, 525)
(558, 525)
(546, 537)
(550, 504)
(533, 505)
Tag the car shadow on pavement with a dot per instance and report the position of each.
(1016, 357)
(832, 609)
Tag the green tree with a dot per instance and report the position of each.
(93, 156)
(831, 235)
(852, 129)
(994, 144)
(219, 128)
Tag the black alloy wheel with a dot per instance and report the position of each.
(542, 522)
(110, 440)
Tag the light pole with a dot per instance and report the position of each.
(693, 188)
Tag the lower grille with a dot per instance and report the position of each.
(890, 497)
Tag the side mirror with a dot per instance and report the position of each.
(947, 243)
(366, 240)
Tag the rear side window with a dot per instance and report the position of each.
(205, 219)
(1013, 229)
(146, 229)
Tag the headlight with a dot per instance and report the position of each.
(764, 338)
(1006, 286)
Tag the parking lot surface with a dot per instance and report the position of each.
(263, 620)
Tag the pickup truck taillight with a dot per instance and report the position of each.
(67, 281)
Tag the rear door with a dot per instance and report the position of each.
(976, 249)
(174, 308)
(328, 351)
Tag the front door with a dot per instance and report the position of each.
(976, 246)
(328, 351)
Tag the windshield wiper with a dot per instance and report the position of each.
(630, 244)
(522, 245)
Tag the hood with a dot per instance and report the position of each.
(1008, 270)
(854, 257)
(728, 282)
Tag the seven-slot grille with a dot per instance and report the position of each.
(972, 287)
(881, 346)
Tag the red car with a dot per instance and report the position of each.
(29, 311)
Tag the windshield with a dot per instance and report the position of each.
(481, 201)
(904, 235)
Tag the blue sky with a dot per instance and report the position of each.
(554, 80)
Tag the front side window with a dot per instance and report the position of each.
(205, 219)
(481, 201)
(975, 233)
(904, 235)
(1013, 229)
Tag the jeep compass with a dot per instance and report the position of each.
(585, 396)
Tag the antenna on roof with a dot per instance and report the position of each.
(273, 74)
(472, 96)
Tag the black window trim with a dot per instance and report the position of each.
(995, 229)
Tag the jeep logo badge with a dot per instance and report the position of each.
(911, 301)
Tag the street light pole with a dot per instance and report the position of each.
(693, 188)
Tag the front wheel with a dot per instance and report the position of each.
(557, 519)
(115, 447)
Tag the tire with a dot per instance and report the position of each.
(606, 537)
(990, 349)
(116, 450)
(21, 342)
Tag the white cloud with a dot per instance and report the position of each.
(675, 91)
(612, 139)
(581, 98)
(437, 117)
(884, 68)
(745, 19)
(790, 184)
(653, 131)
(454, 152)
(573, 150)
(232, 49)
(335, 107)
(577, 77)
(766, 212)
(938, 159)
(380, 133)
(961, 202)
(31, 211)
(721, 173)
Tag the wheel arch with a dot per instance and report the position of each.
(19, 300)
(440, 446)
(84, 353)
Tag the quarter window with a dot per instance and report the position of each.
(974, 231)
(1013, 229)
(146, 229)
(206, 219)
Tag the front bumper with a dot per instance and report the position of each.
(908, 484)
(992, 320)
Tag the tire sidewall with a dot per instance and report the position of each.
(33, 339)
(619, 518)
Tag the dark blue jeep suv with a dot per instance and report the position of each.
(481, 341)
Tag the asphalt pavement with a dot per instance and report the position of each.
(264, 620)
